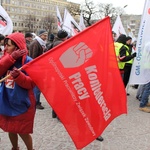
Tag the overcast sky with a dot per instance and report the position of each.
(133, 6)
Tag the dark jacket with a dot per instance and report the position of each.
(35, 49)
(122, 53)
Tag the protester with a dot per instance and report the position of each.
(144, 104)
(37, 48)
(122, 53)
(128, 64)
(61, 37)
(29, 38)
(2, 37)
(49, 43)
(17, 99)
(145, 66)
(140, 91)
(114, 36)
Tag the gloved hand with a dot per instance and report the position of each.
(18, 53)
(134, 55)
(15, 72)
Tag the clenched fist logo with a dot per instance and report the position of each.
(76, 55)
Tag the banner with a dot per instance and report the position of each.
(59, 18)
(81, 81)
(6, 26)
(70, 25)
(118, 27)
(140, 72)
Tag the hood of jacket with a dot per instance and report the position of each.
(20, 41)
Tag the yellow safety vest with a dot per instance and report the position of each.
(117, 50)
(130, 61)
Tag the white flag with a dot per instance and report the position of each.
(130, 33)
(140, 72)
(59, 18)
(70, 25)
(81, 23)
(6, 26)
(118, 27)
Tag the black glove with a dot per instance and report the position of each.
(15, 73)
(134, 55)
(18, 53)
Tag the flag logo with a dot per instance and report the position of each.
(78, 55)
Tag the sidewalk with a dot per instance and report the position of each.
(127, 132)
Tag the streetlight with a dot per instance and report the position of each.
(125, 6)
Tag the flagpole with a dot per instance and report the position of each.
(6, 77)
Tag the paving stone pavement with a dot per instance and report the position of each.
(126, 132)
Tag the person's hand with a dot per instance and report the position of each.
(15, 73)
(18, 53)
(134, 55)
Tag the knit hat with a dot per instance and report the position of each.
(62, 34)
(28, 34)
(121, 39)
(128, 38)
(42, 32)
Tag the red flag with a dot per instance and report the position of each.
(81, 81)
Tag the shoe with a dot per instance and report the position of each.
(39, 106)
(145, 109)
(15, 148)
(148, 104)
(54, 115)
(100, 139)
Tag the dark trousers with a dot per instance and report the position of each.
(127, 71)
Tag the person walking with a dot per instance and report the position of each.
(37, 48)
(17, 99)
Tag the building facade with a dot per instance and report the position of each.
(133, 21)
(33, 15)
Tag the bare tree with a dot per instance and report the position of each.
(108, 10)
(29, 23)
(47, 23)
(92, 12)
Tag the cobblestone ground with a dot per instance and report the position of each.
(127, 132)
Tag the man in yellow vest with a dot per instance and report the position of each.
(128, 64)
(122, 53)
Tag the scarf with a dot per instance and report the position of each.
(42, 43)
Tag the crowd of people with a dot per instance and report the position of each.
(18, 108)
(126, 52)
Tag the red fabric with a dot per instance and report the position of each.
(81, 81)
(20, 41)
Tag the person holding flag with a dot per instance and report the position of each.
(17, 99)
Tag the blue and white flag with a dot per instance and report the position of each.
(140, 73)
